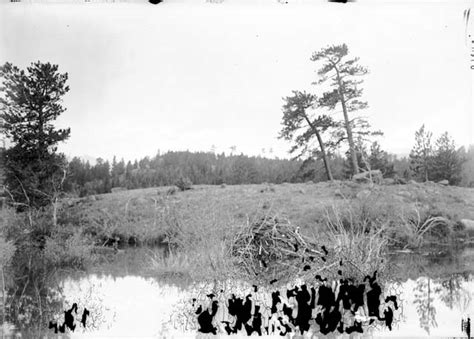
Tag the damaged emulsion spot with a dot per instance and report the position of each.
(69, 320)
(312, 307)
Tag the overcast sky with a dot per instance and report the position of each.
(178, 76)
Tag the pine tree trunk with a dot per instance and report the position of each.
(321, 146)
(325, 159)
(355, 166)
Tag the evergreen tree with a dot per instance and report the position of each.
(344, 84)
(297, 117)
(379, 160)
(421, 155)
(30, 102)
(447, 161)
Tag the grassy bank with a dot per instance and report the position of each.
(199, 226)
(147, 216)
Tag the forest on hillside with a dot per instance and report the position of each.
(208, 168)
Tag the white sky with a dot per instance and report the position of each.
(183, 76)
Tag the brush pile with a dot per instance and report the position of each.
(270, 248)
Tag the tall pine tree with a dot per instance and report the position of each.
(447, 161)
(30, 102)
(345, 75)
(421, 155)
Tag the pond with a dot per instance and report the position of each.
(434, 293)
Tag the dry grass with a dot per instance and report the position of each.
(360, 246)
(138, 214)
(417, 225)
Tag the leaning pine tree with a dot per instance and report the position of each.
(345, 76)
(30, 102)
(301, 125)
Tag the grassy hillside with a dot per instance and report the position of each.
(146, 215)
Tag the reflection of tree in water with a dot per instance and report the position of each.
(453, 294)
(32, 304)
(90, 298)
(33, 295)
(433, 285)
(449, 291)
(425, 290)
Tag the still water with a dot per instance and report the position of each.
(434, 292)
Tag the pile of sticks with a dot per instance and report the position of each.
(270, 248)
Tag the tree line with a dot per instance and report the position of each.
(166, 169)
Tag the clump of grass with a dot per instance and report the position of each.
(377, 213)
(419, 225)
(360, 246)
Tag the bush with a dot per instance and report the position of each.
(171, 191)
(74, 251)
(183, 183)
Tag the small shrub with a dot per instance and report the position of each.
(459, 226)
(74, 251)
(268, 188)
(171, 191)
(183, 183)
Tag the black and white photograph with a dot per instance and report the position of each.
(236, 168)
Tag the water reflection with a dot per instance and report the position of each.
(141, 306)
(322, 308)
(454, 294)
(424, 297)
